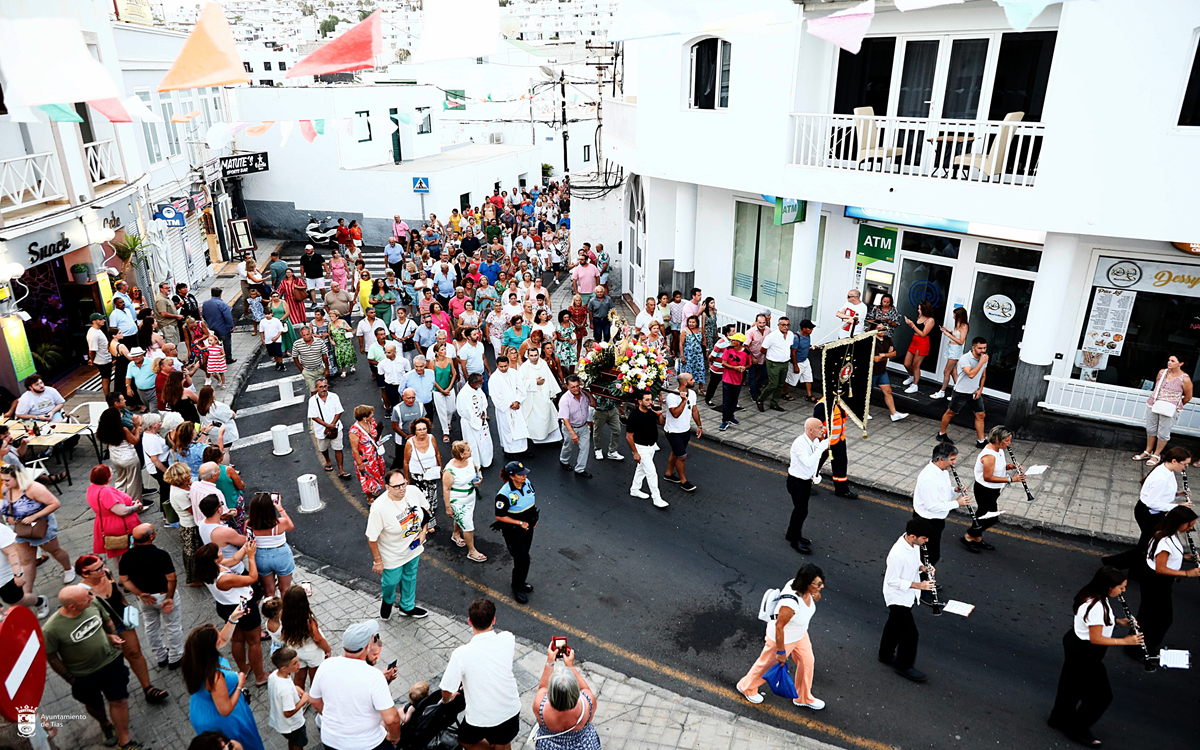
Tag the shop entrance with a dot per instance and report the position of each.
(997, 313)
(922, 280)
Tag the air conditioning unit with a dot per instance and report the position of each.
(496, 138)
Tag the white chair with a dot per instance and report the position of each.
(94, 410)
(994, 161)
(868, 134)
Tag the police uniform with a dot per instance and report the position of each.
(520, 505)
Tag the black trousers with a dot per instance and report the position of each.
(840, 466)
(1083, 690)
(729, 399)
(935, 538)
(714, 382)
(900, 636)
(800, 490)
(985, 502)
(1156, 611)
(518, 540)
(1132, 558)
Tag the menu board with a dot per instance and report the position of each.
(1109, 321)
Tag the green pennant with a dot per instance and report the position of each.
(319, 126)
(61, 112)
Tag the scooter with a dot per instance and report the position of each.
(319, 234)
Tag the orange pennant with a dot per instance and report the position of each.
(256, 130)
(186, 118)
(209, 56)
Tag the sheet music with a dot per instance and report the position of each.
(1033, 471)
(1174, 658)
(992, 514)
(956, 607)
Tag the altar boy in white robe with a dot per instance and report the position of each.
(541, 417)
(472, 406)
(508, 393)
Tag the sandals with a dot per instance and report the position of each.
(786, 397)
(810, 399)
(477, 557)
(329, 467)
(459, 541)
(155, 695)
(1142, 456)
(445, 438)
(1154, 461)
(345, 475)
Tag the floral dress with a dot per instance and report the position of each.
(344, 350)
(693, 357)
(564, 344)
(199, 345)
(370, 475)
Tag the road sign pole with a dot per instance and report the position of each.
(423, 214)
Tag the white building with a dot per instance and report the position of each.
(1009, 189)
(268, 63)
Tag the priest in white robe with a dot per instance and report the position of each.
(508, 393)
(540, 415)
(472, 406)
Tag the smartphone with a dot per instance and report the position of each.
(306, 587)
(559, 644)
(392, 665)
(249, 535)
(276, 498)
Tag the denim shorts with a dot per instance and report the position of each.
(276, 561)
(880, 379)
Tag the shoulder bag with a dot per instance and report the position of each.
(331, 433)
(115, 541)
(36, 530)
(1160, 407)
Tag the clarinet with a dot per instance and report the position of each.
(937, 605)
(1014, 462)
(963, 490)
(1133, 625)
(1187, 495)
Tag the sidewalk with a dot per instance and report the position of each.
(633, 714)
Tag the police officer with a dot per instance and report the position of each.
(516, 518)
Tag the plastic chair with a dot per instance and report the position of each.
(868, 134)
(993, 162)
(94, 410)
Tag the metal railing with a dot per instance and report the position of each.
(999, 152)
(103, 164)
(1110, 403)
(30, 180)
(620, 121)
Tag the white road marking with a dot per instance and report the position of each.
(264, 437)
(250, 411)
(266, 385)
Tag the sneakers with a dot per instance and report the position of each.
(134, 746)
(734, 421)
(385, 611)
(43, 610)
(898, 416)
(937, 394)
(912, 388)
(816, 705)
(69, 575)
(755, 699)
(614, 456)
(980, 444)
(638, 494)
(660, 503)
(908, 380)
(671, 478)
(599, 455)
(416, 613)
(724, 426)
(915, 675)
(110, 736)
(687, 487)
(942, 438)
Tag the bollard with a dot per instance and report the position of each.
(310, 496)
(279, 439)
(285, 389)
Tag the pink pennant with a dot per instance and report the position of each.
(846, 28)
(238, 127)
(354, 50)
(308, 131)
(112, 109)
(345, 125)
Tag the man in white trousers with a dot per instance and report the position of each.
(641, 431)
(508, 394)
(472, 406)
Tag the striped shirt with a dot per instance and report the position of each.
(311, 356)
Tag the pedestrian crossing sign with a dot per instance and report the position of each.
(420, 184)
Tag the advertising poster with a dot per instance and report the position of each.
(106, 292)
(18, 347)
(1108, 323)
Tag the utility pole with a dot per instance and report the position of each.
(532, 127)
(605, 51)
(562, 87)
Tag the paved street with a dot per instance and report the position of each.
(669, 596)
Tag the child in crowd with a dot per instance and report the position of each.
(256, 308)
(216, 360)
(270, 611)
(287, 699)
(417, 693)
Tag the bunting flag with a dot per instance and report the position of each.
(1020, 13)
(209, 56)
(345, 125)
(137, 110)
(405, 117)
(319, 126)
(19, 114)
(61, 112)
(354, 50)
(186, 118)
(846, 28)
(111, 108)
(256, 130)
(218, 135)
(285, 128)
(33, 77)
(907, 5)
(308, 131)
(237, 127)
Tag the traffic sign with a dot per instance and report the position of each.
(420, 184)
(171, 215)
(22, 664)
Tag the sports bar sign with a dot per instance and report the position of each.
(240, 164)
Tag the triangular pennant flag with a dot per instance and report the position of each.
(257, 130)
(209, 56)
(285, 128)
(1020, 13)
(61, 112)
(308, 131)
(218, 136)
(33, 77)
(354, 50)
(846, 28)
(111, 108)
(344, 125)
(238, 127)
(186, 118)
(19, 114)
(319, 126)
(138, 110)
(906, 5)
(405, 117)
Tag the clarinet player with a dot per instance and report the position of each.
(989, 481)
(935, 496)
(1083, 690)
(1164, 558)
(1160, 490)
(901, 582)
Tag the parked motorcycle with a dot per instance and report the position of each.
(319, 234)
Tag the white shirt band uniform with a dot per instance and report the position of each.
(806, 456)
(933, 497)
(903, 570)
(1159, 489)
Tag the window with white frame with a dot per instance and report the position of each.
(362, 125)
(426, 125)
(709, 79)
(150, 132)
(218, 116)
(762, 255)
(168, 111)
(1189, 113)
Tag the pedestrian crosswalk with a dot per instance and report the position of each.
(269, 384)
(249, 411)
(262, 437)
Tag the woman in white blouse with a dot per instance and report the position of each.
(1083, 689)
(787, 634)
(1164, 558)
(1160, 493)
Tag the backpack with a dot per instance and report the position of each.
(769, 607)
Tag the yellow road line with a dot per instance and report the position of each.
(642, 661)
(901, 506)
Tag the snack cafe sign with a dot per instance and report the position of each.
(1145, 276)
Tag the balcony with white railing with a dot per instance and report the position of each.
(995, 152)
(1110, 403)
(29, 181)
(103, 162)
(620, 120)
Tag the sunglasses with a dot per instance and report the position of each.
(398, 486)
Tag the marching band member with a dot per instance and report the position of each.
(1164, 558)
(935, 496)
(1160, 489)
(988, 484)
(901, 582)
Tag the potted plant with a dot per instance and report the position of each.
(132, 246)
(79, 272)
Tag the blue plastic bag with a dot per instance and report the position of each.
(780, 681)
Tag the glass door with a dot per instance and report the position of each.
(915, 97)
(922, 280)
(997, 313)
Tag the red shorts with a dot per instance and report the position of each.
(919, 346)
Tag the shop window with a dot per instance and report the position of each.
(762, 256)
(282, 65)
(1160, 325)
(266, 65)
(710, 74)
(1189, 113)
(587, 153)
(930, 244)
(1020, 258)
(150, 132)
